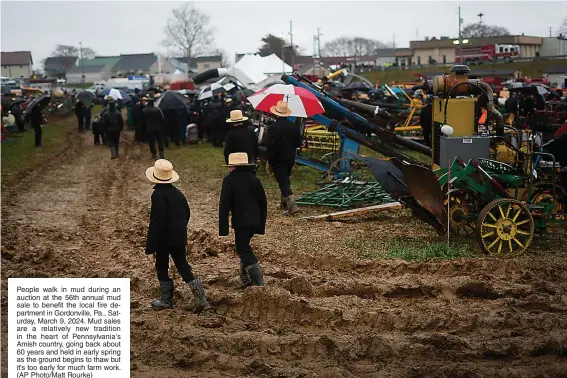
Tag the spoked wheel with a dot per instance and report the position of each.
(460, 210)
(505, 227)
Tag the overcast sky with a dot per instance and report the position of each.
(112, 28)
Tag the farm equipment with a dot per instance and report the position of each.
(492, 180)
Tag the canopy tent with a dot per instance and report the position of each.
(255, 72)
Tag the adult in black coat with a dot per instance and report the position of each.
(215, 120)
(243, 195)
(80, 110)
(284, 137)
(154, 124)
(511, 104)
(113, 123)
(137, 119)
(240, 138)
(18, 115)
(167, 235)
(36, 119)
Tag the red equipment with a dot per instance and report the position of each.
(179, 85)
(485, 53)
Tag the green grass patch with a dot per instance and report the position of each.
(19, 153)
(414, 250)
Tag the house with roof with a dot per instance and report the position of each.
(57, 66)
(140, 64)
(95, 70)
(198, 64)
(17, 64)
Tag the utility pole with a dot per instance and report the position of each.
(480, 15)
(460, 40)
(550, 32)
(394, 47)
(82, 65)
(292, 47)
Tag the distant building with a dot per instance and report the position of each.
(57, 66)
(17, 64)
(95, 70)
(444, 50)
(198, 64)
(553, 46)
(140, 64)
(557, 75)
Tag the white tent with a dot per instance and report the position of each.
(255, 72)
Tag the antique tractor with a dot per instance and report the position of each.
(488, 179)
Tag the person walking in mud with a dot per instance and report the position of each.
(80, 110)
(240, 138)
(284, 137)
(244, 197)
(113, 123)
(154, 124)
(167, 235)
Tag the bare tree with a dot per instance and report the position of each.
(563, 28)
(88, 53)
(478, 30)
(65, 50)
(225, 58)
(188, 33)
(352, 46)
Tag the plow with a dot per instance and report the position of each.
(484, 179)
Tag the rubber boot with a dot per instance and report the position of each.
(161, 155)
(199, 293)
(283, 204)
(255, 273)
(117, 147)
(113, 152)
(291, 205)
(166, 296)
(154, 156)
(244, 276)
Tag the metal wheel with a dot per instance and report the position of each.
(505, 227)
(460, 214)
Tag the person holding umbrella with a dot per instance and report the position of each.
(113, 123)
(240, 138)
(215, 119)
(34, 112)
(167, 235)
(243, 195)
(284, 137)
(154, 124)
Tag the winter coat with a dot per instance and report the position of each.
(36, 117)
(80, 109)
(215, 113)
(284, 137)
(169, 217)
(137, 113)
(241, 139)
(426, 118)
(153, 119)
(242, 195)
(112, 119)
(511, 105)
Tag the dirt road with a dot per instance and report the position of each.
(324, 312)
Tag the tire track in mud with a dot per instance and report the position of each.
(322, 314)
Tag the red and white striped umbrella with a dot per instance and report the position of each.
(300, 101)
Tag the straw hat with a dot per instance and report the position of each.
(281, 109)
(236, 116)
(162, 172)
(238, 159)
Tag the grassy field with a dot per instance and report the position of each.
(19, 153)
(530, 69)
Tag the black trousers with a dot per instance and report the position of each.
(154, 136)
(98, 138)
(113, 139)
(242, 237)
(37, 134)
(179, 259)
(282, 171)
(81, 123)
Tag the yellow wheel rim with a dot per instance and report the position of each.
(505, 227)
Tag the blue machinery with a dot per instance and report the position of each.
(351, 140)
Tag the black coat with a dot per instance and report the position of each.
(241, 139)
(426, 118)
(215, 113)
(112, 121)
(284, 137)
(243, 195)
(154, 119)
(168, 218)
(36, 117)
(80, 109)
(511, 105)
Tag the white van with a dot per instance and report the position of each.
(5, 80)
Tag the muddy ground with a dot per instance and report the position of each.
(324, 312)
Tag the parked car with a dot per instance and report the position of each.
(61, 81)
